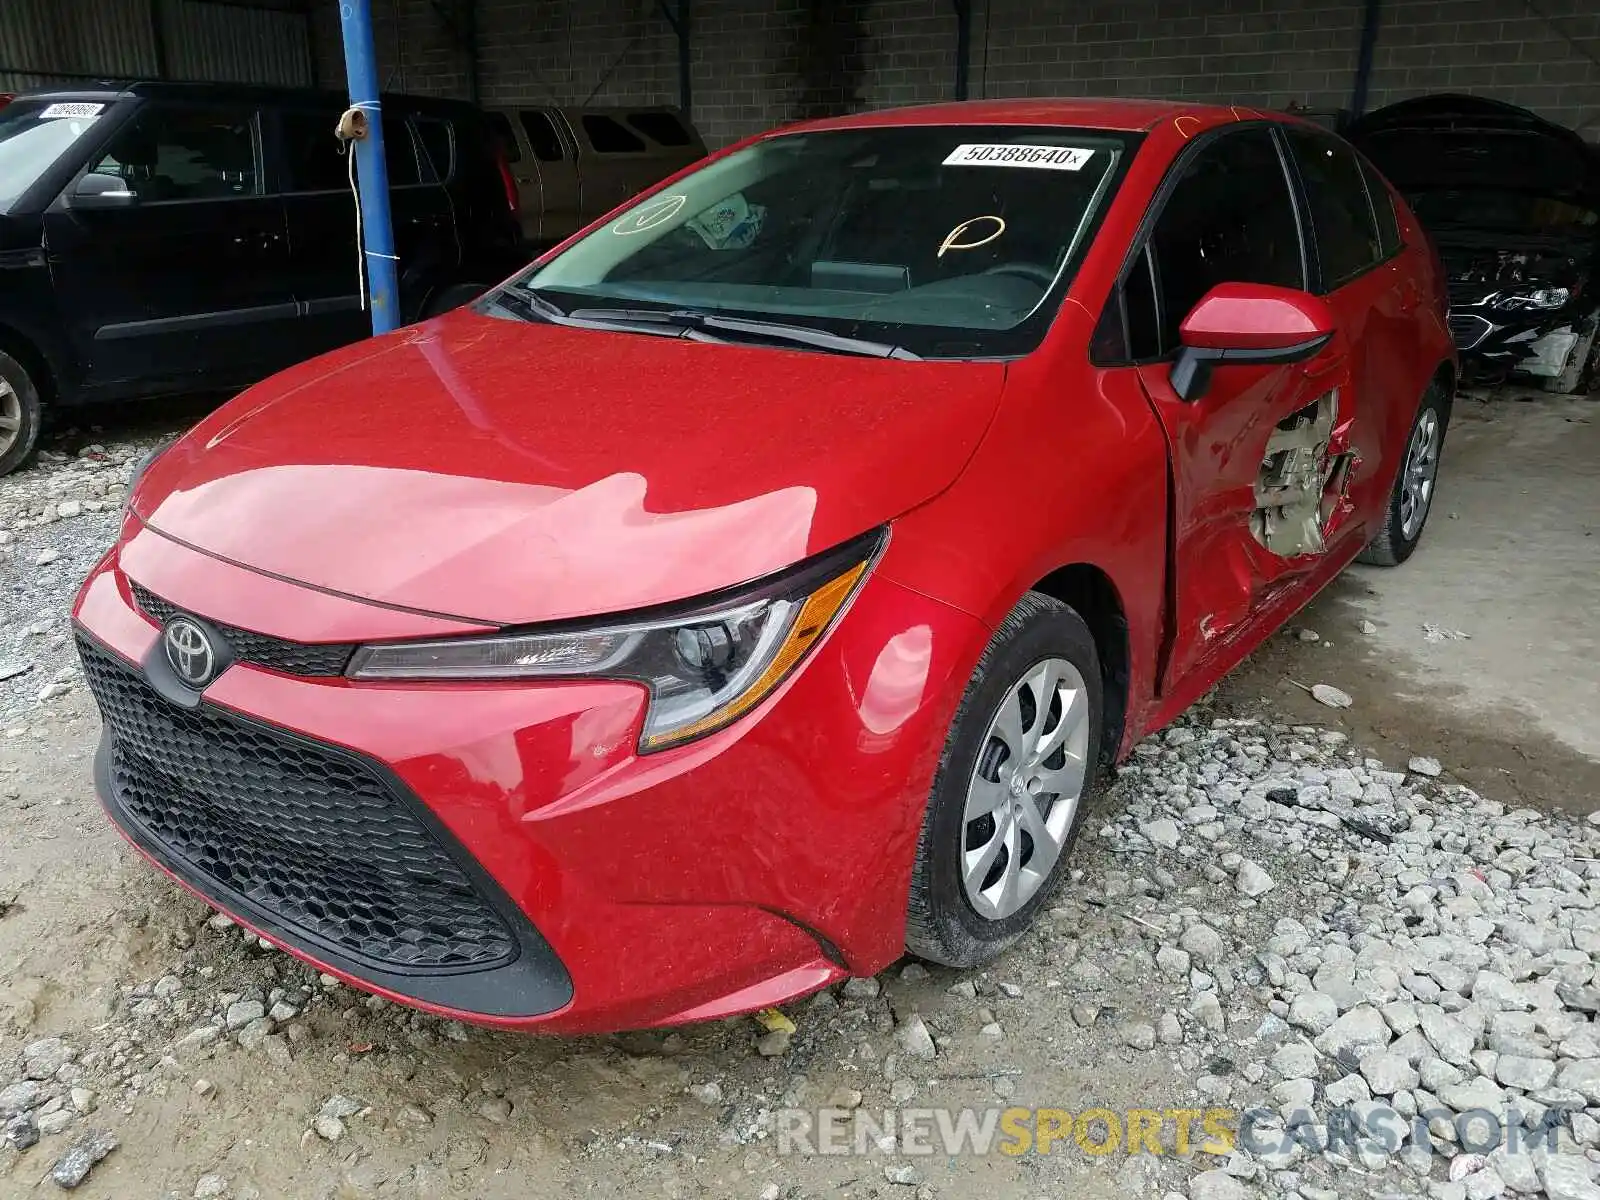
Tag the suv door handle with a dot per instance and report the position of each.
(259, 239)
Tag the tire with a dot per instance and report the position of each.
(452, 295)
(20, 414)
(1402, 525)
(943, 921)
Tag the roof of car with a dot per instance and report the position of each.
(1084, 112)
(236, 92)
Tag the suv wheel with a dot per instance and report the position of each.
(1015, 779)
(20, 414)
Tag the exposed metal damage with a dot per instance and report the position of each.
(1301, 484)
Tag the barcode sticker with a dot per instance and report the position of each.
(53, 112)
(1015, 154)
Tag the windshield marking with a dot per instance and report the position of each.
(950, 242)
(650, 215)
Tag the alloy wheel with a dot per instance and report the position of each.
(1025, 788)
(1422, 467)
(10, 416)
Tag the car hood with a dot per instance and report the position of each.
(1449, 142)
(509, 472)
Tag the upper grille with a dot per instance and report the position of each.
(1468, 329)
(276, 654)
(312, 835)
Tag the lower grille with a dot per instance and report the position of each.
(312, 835)
(276, 654)
(1468, 329)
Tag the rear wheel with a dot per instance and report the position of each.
(20, 414)
(1008, 799)
(1412, 498)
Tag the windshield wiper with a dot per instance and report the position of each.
(704, 326)
(528, 305)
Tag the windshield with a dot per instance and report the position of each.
(944, 241)
(33, 136)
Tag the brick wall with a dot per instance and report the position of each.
(758, 63)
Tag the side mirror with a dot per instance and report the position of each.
(101, 191)
(1239, 323)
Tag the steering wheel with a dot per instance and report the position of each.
(1043, 276)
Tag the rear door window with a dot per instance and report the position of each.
(1341, 213)
(173, 152)
(663, 128)
(1229, 218)
(505, 137)
(314, 160)
(1382, 210)
(438, 140)
(542, 135)
(610, 136)
(400, 153)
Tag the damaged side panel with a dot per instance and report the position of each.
(1300, 491)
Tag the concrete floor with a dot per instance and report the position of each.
(1510, 557)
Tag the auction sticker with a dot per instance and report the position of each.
(54, 112)
(1016, 154)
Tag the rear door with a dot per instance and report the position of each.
(613, 161)
(320, 209)
(1257, 462)
(186, 286)
(552, 167)
(1361, 274)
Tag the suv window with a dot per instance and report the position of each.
(542, 135)
(1383, 210)
(660, 127)
(314, 159)
(1229, 219)
(611, 137)
(505, 138)
(182, 153)
(1347, 236)
(438, 139)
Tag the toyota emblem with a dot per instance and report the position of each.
(189, 651)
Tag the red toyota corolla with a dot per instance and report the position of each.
(748, 592)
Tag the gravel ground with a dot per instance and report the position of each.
(1263, 918)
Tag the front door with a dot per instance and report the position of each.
(1259, 459)
(185, 285)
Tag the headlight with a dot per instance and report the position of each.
(704, 665)
(1538, 300)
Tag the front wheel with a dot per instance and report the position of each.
(1015, 778)
(20, 414)
(1412, 498)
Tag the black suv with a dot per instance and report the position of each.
(162, 237)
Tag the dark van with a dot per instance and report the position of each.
(162, 237)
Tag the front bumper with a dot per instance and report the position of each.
(601, 889)
(1500, 343)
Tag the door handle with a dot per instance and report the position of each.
(259, 239)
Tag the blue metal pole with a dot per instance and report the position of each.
(1369, 44)
(361, 67)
